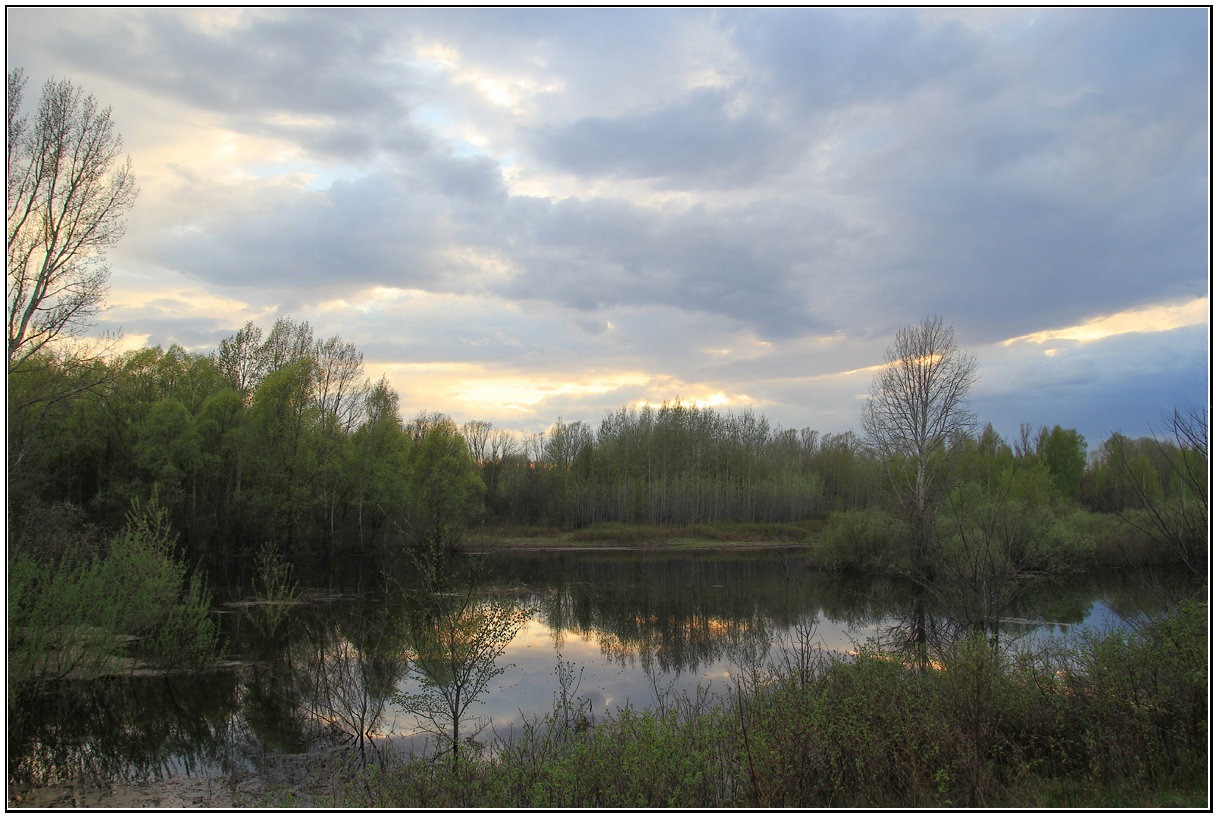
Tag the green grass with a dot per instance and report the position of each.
(1107, 721)
(642, 534)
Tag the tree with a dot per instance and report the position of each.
(1177, 518)
(917, 405)
(457, 635)
(67, 200)
(1064, 451)
(446, 487)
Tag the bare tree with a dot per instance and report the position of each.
(477, 435)
(1177, 520)
(67, 200)
(918, 403)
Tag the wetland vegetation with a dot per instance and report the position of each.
(220, 563)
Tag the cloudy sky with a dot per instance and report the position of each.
(522, 215)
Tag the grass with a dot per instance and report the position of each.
(628, 534)
(1114, 720)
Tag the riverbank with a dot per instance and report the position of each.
(1112, 721)
(188, 792)
(626, 537)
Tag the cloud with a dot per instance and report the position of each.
(300, 75)
(698, 143)
(1098, 386)
(1154, 318)
(741, 201)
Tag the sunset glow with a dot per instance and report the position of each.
(523, 215)
(1157, 318)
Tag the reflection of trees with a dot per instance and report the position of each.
(132, 727)
(326, 669)
(1048, 600)
(458, 630)
(329, 667)
(344, 664)
(683, 613)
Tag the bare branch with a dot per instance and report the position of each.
(67, 200)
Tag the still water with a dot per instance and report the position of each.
(634, 628)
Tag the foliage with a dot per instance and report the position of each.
(1114, 720)
(445, 486)
(277, 438)
(1161, 487)
(80, 617)
(866, 541)
(1064, 452)
(456, 638)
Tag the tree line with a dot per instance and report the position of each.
(281, 438)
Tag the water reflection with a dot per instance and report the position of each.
(318, 675)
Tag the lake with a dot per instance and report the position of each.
(633, 627)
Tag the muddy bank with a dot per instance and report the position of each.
(169, 793)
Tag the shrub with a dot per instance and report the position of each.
(871, 541)
(72, 618)
(1112, 719)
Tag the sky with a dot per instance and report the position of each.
(522, 215)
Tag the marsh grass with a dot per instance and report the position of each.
(611, 533)
(1115, 720)
(726, 532)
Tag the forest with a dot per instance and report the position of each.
(142, 483)
(283, 440)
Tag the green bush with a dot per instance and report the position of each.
(1144, 694)
(872, 541)
(1106, 720)
(78, 619)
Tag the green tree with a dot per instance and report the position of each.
(457, 635)
(279, 439)
(446, 487)
(167, 452)
(380, 460)
(1064, 452)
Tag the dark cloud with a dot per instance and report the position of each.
(1122, 383)
(696, 144)
(742, 264)
(815, 172)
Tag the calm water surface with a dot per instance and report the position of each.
(636, 627)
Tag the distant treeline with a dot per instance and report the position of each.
(283, 439)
